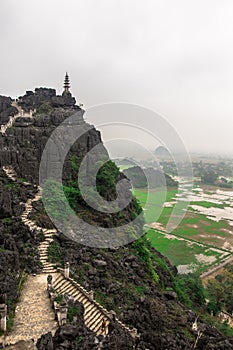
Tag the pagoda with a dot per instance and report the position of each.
(66, 85)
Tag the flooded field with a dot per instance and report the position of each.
(204, 238)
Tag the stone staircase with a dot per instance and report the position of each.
(94, 313)
(20, 114)
(34, 315)
(48, 234)
(10, 173)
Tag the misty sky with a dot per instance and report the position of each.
(175, 57)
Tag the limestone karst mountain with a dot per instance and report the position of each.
(131, 288)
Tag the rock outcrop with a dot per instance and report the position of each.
(134, 281)
(24, 142)
(6, 109)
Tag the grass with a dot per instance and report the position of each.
(181, 252)
(124, 167)
(208, 204)
(194, 228)
(156, 198)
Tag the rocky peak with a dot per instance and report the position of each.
(6, 109)
(37, 114)
(46, 96)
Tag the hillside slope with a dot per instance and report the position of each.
(135, 281)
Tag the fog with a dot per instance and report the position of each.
(174, 57)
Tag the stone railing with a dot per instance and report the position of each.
(3, 315)
(110, 315)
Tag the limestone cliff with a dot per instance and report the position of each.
(135, 281)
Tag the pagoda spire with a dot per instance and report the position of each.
(67, 84)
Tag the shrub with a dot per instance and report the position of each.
(44, 108)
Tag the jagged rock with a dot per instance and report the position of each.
(6, 110)
(24, 345)
(45, 342)
(119, 278)
(99, 263)
(170, 295)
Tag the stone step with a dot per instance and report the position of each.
(49, 230)
(43, 254)
(90, 309)
(58, 280)
(48, 269)
(48, 235)
(47, 240)
(81, 298)
(88, 314)
(47, 272)
(69, 289)
(76, 294)
(44, 245)
(94, 319)
(46, 264)
(98, 328)
(87, 303)
(44, 258)
(62, 286)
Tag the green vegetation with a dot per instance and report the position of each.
(59, 298)
(7, 220)
(10, 320)
(107, 178)
(55, 254)
(181, 252)
(73, 196)
(209, 176)
(22, 280)
(142, 247)
(223, 328)
(22, 179)
(220, 293)
(194, 228)
(11, 185)
(44, 108)
(105, 300)
(72, 312)
(190, 290)
(56, 203)
(155, 200)
(208, 204)
(79, 341)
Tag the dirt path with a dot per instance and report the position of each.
(210, 274)
(34, 315)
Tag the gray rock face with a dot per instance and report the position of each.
(34, 100)
(23, 144)
(6, 110)
(18, 245)
(99, 263)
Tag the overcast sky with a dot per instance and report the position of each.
(175, 57)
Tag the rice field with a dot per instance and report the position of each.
(205, 235)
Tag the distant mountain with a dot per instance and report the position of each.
(156, 178)
(162, 151)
